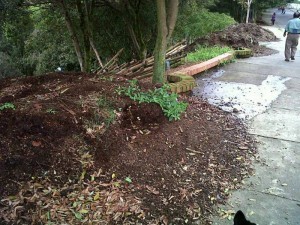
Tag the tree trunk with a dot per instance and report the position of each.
(96, 52)
(248, 13)
(172, 16)
(248, 10)
(89, 6)
(73, 34)
(166, 20)
(86, 37)
(161, 43)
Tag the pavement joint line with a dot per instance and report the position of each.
(266, 193)
(280, 139)
(288, 109)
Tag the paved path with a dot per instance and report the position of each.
(270, 104)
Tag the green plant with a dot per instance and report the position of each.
(194, 21)
(7, 105)
(51, 111)
(172, 108)
(204, 53)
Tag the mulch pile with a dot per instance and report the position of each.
(74, 151)
(241, 35)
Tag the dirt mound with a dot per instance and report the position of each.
(73, 148)
(239, 35)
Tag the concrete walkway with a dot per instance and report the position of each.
(270, 105)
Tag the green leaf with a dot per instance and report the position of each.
(128, 180)
(48, 215)
(83, 211)
(78, 215)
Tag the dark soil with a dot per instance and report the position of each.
(75, 152)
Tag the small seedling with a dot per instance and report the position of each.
(7, 105)
(128, 180)
(51, 111)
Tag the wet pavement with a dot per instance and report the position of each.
(265, 93)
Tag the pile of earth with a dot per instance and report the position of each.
(241, 35)
(73, 151)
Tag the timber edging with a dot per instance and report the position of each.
(183, 81)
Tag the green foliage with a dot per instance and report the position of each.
(7, 105)
(142, 18)
(15, 27)
(194, 22)
(7, 66)
(49, 46)
(172, 108)
(204, 53)
(51, 111)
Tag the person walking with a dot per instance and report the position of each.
(273, 18)
(292, 29)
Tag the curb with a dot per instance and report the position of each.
(182, 80)
(243, 53)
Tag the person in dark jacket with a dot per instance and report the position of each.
(273, 18)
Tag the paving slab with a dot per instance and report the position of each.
(255, 67)
(263, 209)
(272, 195)
(278, 124)
(267, 88)
(289, 99)
(242, 77)
(279, 165)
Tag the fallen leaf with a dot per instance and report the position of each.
(82, 175)
(242, 147)
(97, 196)
(83, 211)
(37, 106)
(36, 143)
(152, 190)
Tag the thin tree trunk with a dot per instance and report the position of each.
(166, 20)
(86, 37)
(172, 16)
(248, 13)
(161, 43)
(136, 45)
(96, 52)
(89, 6)
(248, 10)
(73, 35)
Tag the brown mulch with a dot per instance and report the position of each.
(241, 35)
(73, 151)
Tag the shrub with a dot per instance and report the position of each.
(171, 107)
(194, 22)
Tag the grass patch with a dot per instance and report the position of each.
(204, 53)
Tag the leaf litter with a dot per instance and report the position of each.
(71, 167)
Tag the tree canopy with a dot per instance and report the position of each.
(37, 36)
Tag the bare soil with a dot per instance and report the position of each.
(74, 151)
